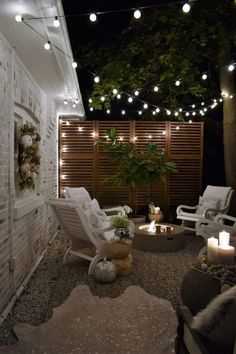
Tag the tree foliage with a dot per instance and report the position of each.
(165, 45)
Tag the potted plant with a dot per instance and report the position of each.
(155, 213)
(133, 167)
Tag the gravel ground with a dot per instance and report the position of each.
(159, 274)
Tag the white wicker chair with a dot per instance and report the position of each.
(189, 215)
(81, 195)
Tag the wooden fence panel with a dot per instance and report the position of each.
(83, 163)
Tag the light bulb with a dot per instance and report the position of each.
(77, 101)
(154, 113)
(187, 114)
(186, 8)
(164, 132)
(190, 121)
(74, 105)
(130, 99)
(90, 100)
(80, 129)
(121, 138)
(177, 83)
(157, 110)
(149, 136)
(118, 96)
(140, 112)
(93, 17)
(96, 79)
(65, 101)
(56, 22)
(156, 88)
(204, 76)
(137, 14)
(102, 98)
(168, 112)
(231, 96)
(193, 106)
(115, 91)
(18, 18)
(123, 112)
(176, 114)
(91, 109)
(136, 93)
(67, 123)
(193, 113)
(231, 67)
(74, 65)
(177, 127)
(47, 45)
(180, 109)
(145, 106)
(220, 100)
(205, 109)
(202, 103)
(108, 111)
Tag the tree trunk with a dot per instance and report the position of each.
(227, 84)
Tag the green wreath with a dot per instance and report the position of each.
(28, 158)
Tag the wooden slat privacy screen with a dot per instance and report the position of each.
(82, 163)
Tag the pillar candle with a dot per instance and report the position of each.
(225, 255)
(224, 238)
(212, 245)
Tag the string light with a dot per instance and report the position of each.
(204, 76)
(157, 110)
(231, 67)
(123, 112)
(155, 88)
(80, 129)
(190, 121)
(91, 109)
(149, 136)
(102, 98)
(108, 111)
(93, 17)
(145, 106)
(177, 83)
(186, 8)
(136, 93)
(137, 14)
(18, 18)
(118, 96)
(74, 65)
(168, 112)
(96, 79)
(177, 127)
(140, 112)
(56, 22)
(130, 99)
(65, 102)
(90, 100)
(74, 105)
(115, 91)
(154, 113)
(47, 45)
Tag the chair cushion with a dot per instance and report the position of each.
(217, 321)
(221, 193)
(207, 203)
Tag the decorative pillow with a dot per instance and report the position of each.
(96, 217)
(205, 203)
(217, 321)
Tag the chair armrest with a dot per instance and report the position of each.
(222, 217)
(180, 207)
(185, 318)
(118, 209)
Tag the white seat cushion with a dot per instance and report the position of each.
(207, 203)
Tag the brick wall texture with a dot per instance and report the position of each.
(22, 241)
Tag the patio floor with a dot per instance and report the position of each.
(159, 274)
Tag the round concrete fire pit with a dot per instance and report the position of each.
(166, 238)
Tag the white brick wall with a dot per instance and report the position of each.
(24, 239)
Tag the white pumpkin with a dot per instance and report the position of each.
(105, 272)
(26, 140)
